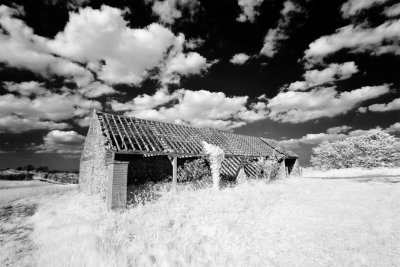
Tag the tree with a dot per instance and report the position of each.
(43, 169)
(374, 148)
(28, 168)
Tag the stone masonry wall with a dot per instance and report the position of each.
(95, 160)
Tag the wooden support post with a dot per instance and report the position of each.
(174, 172)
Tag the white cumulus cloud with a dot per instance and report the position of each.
(276, 35)
(392, 11)
(170, 10)
(239, 59)
(249, 10)
(197, 108)
(331, 73)
(61, 142)
(394, 128)
(353, 7)
(385, 38)
(297, 106)
(393, 105)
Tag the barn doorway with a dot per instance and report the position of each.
(289, 165)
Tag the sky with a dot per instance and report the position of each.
(298, 71)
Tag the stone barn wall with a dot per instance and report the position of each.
(94, 173)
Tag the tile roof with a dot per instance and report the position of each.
(133, 135)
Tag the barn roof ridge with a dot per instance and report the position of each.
(134, 135)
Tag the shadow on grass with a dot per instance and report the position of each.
(387, 180)
(15, 232)
(391, 179)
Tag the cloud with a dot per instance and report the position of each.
(102, 38)
(51, 106)
(145, 101)
(26, 88)
(22, 113)
(61, 142)
(71, 4)
(383, 39)
(392, 11)
(17, 124)
(239, 59)
(333, 72)
(194, 43)
(96, 41)
(170, 10)
(197, 108)
(394, 128)
(353, 7)
(276, 35)
(338, 129)
(120, 54)
(393, 105)
(192, 63)
(97, 89)
(296, 106)
(21, 48)
(249, 10)
(180, 64)
(334, 133)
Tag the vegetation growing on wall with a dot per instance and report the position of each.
(375, 148)
(215, 156)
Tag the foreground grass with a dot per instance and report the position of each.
(297, 222)
(14, 190)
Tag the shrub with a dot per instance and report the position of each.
(375, 148)
(267, 168)
(15, 176)
(194, 170)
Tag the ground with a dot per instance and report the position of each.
(14, 190)
(293, 222)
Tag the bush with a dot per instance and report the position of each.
(194, 170)
(267, 168)
(15, 176)
(375, 148)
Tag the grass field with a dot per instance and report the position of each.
(293, 222)
(14, 190)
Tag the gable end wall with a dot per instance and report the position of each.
(95, 162)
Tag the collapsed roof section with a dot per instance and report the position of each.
(138, 136)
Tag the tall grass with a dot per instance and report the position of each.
(9, 195)
(291, 222)
(191, 227)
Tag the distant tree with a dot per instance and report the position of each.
(42, 169)
(375, 148)
(28, 168)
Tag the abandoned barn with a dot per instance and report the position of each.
(121, 151)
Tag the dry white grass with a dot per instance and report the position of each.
(14, 190)
(297, 222)
(350, 172)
